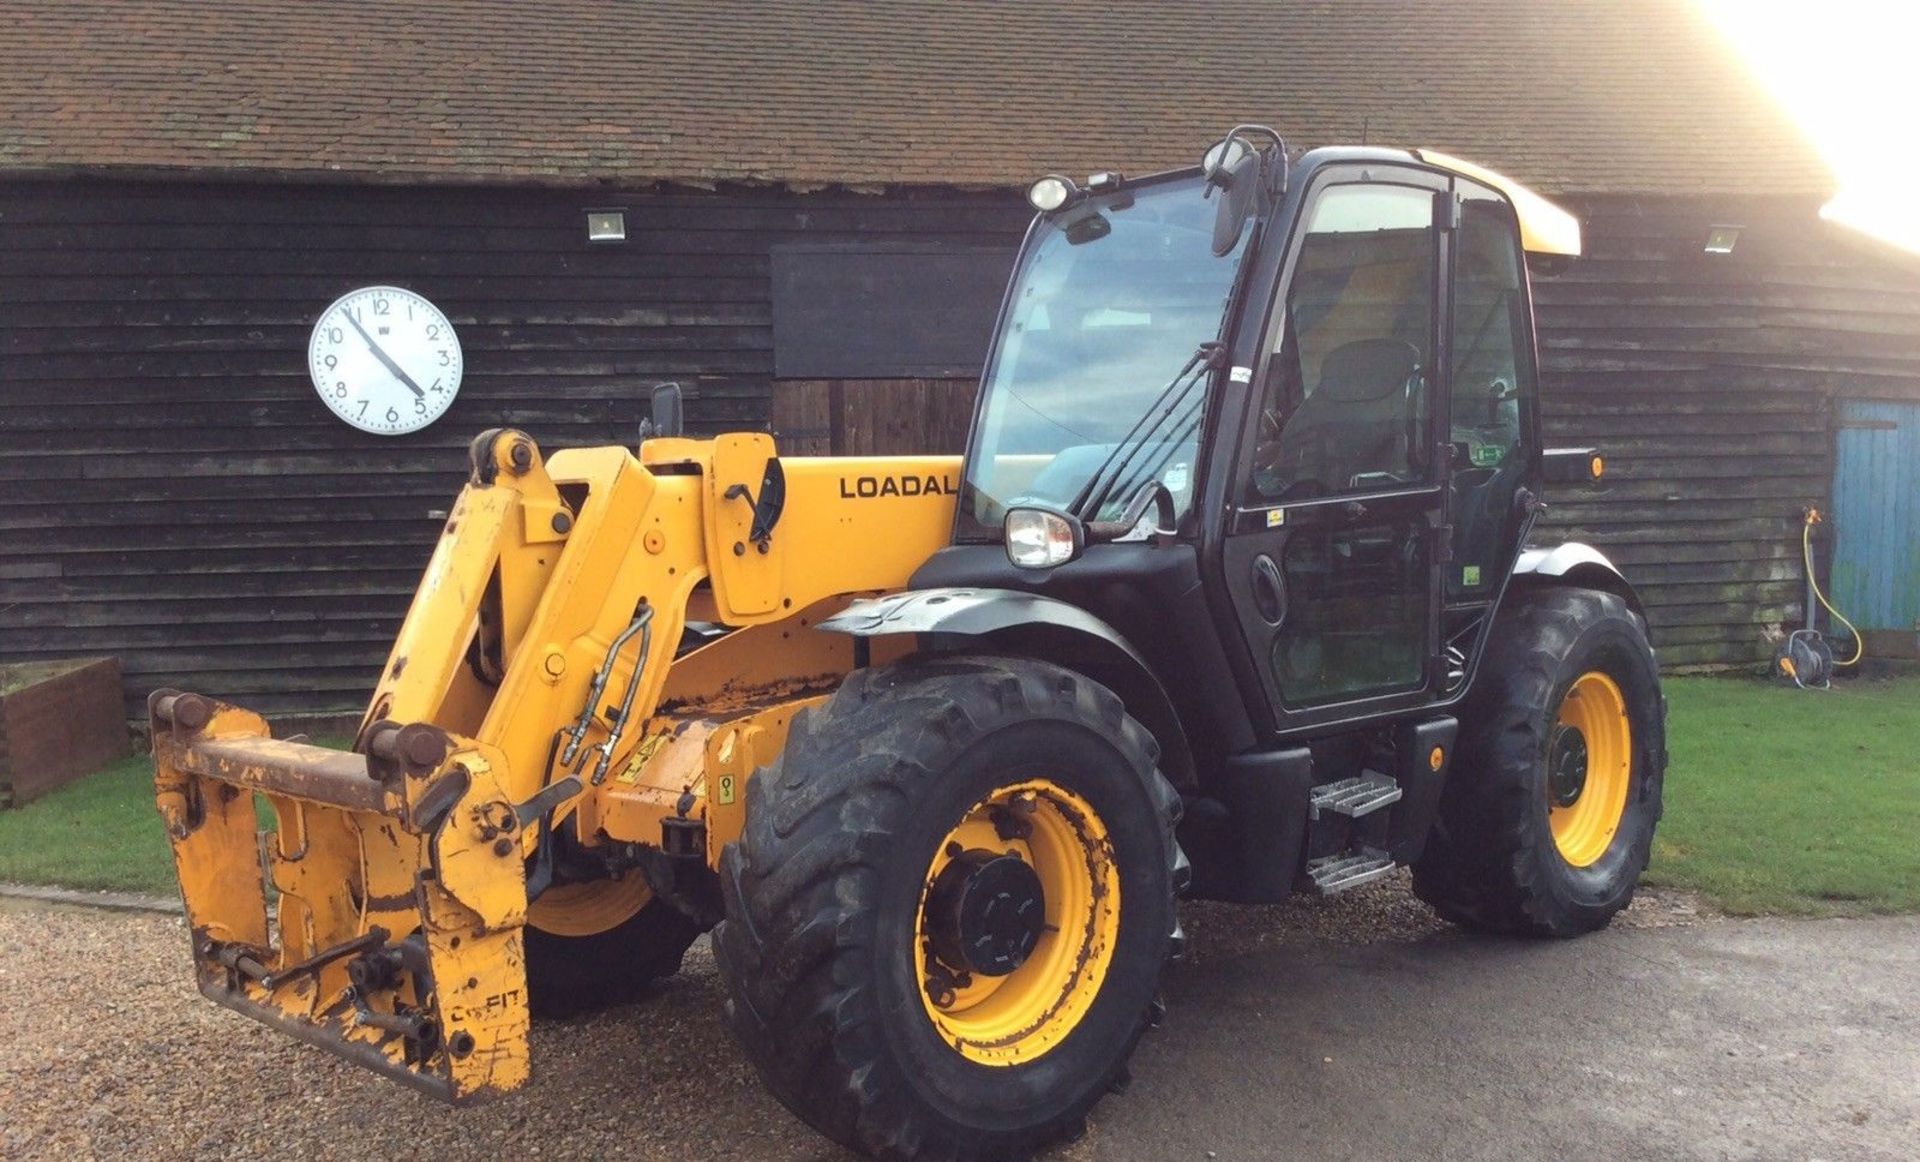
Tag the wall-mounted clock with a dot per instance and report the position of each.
(385, 360)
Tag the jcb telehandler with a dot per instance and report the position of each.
(1234, 571)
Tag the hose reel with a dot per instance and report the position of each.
(1805, 658)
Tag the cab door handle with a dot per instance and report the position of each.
(1269, 591)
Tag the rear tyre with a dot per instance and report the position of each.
(948, 913)
(592, 945)
(1547, 818)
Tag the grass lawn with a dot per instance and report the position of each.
(1788, 801)
(101, 832)
(1778, 801)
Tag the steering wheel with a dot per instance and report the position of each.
(1270, 425)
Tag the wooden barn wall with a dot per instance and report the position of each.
(1708, 381)
(175, 495)
(173, 491)
(873, 417)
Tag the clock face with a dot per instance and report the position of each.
(385, 360)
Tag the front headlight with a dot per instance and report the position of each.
(1039, 539)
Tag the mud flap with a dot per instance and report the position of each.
(379, 916)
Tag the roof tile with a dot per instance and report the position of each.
(1618, 96)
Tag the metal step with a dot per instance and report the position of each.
(1349, 869)
(1355, 797)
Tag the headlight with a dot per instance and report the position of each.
(1049, 194)
(1038, 539)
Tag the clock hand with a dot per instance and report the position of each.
(383, 357)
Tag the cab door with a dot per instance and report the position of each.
(1332, 547)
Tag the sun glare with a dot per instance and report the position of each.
(1844, 71)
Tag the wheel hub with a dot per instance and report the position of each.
(986, 912)
(1567, 765)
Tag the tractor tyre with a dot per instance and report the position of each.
(604, 943)
(1547, 818)
(948, 913)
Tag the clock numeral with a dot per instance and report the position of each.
(437, 385)
(445, 359)
(419, 407)
(340, 390)
(334, 335)
(433, 329)
(393, 417)
(332, 361)
(363, 409)
(382, 307)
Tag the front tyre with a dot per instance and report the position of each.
(948, 912)
(1547, 819)
(601, 943)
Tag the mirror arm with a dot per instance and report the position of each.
(1151, 493)
(1276, 175)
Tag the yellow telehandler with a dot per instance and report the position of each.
(1231, 595)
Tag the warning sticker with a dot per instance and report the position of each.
(649, 746)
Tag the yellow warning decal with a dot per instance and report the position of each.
(649, 746)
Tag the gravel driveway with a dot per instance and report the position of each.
(109, 1052)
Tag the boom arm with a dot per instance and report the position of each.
(538, 678)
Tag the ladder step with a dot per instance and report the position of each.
(1356, 796)
(1349, 869)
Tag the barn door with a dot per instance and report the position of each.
(872, 417)
(1876, 508)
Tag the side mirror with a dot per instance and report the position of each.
(1233, 167)
(669, 413)
(1221, 157)
(1242, 172)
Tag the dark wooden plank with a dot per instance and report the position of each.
(802, 417)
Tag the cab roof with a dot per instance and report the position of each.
(1544, 227)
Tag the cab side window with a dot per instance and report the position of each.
(1347, 392)
(1493, 381)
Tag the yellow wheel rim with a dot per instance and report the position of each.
(588, 909)
(1005, 1018)
(1589, 768)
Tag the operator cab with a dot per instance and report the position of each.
(1311, 383)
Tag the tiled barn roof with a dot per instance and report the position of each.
(1608, 96)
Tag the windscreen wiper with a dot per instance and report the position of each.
(1210, 356)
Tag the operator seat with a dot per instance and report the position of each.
(1359, 420)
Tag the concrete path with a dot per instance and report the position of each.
(1728, 1040)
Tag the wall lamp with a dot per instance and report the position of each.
(606, 225)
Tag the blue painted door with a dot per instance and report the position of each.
(1876, 509)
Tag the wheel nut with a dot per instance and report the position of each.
(940, 993)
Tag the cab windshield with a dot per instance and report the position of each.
(1110, 303)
